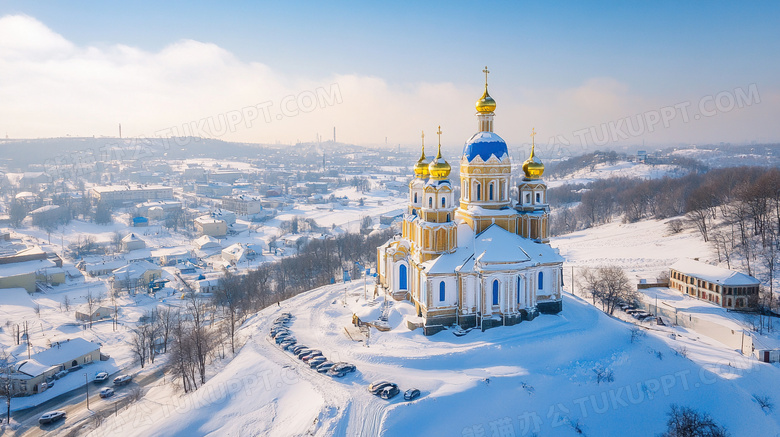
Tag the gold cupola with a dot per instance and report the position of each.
(533, 167)
(421, 168)
(486, 104)
(439, 168)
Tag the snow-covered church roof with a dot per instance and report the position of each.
(484, 145)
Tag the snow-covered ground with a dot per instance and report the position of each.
(621, 169)
(537, 377)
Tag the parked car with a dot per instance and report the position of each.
(325, 366)
(389, 392)
(377, 386)
(297, 348)
(51, 416)
(288, 344)
(60, 374)
(75, 368)
(101, 377)
(279, 332)
(411, 394)
(336, 373)
(312, 353)
(302, 352)
(346, 367)
(107, 392)
(123, 380)
(49, 383)
(282, 338)
(316, 361)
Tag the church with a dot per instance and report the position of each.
(485, 261)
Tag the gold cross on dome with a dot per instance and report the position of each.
(533, 134)
(486, 71)
(439, 133)
(423, 137)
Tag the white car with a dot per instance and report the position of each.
(51, 416)
(107, 392)
(101, 377)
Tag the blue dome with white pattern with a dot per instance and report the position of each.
(485, 144)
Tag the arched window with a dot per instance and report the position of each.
(495, 292)
(442, 291)
(479, 192)
(490, 191)
(430, 202)
(527, 198)
(541, 281)
(415, 197)
(448, 217)
(443, 202)
(538, 198)
(519, 289)
(402, 277)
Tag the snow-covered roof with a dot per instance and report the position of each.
(22, 268)
(134, 270)
(64, 351)
(31, 367)
(206, 241)
(714, 274)
(170, 251)
(131, 237)
(106, 265)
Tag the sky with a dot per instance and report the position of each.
(584, 75)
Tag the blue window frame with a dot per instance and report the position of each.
(479, 192)
(442, 291)
(495, 292)
(402, 277)
(541, 281)
(490, 191)
(519, 287)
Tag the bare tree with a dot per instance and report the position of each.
(166, 320)
(687, 422)
(230, 298)
(66, 303)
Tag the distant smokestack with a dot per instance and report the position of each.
(334, 134)
(120, 131)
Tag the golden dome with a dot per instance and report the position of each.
(421, 168)
(533, 167)
(486, 104)
(439, 168)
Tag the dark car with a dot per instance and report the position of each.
(51, 416)
(312, 353)
(411, 394)
(298, 348)
(288, 344)
(377, 386)
(325, 366)
(345, 367)
(302, 352)
(278, 332)
(389, 392)
(123, 380)
(282, 338)
(316, 361)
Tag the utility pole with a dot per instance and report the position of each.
(87, 387)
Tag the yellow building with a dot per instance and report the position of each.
(484, 262)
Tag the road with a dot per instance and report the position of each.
(75, 405)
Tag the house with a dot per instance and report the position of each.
(99, 312)
(169, 256)
(207, 225)
(237, 253)
(227, 216)
(29, 376)
(136, 275)
(100, 268)
(132, 242)
(22, 274)
(207, 285)
(243, 204)
(205, 242)
(120, 194)
(723, 287)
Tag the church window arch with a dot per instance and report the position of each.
(402, 278)
(527, 198)
(479, 191)
(519, 288)
(442, 291)
(415, 197)
(490, 191)
(430, 202)
(448, 217)
(495, 292)
(443, 201)
(541, 280)
(538, 198)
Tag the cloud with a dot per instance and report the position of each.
(50, 87)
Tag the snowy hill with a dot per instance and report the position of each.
(620, 169)
(535, 377)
